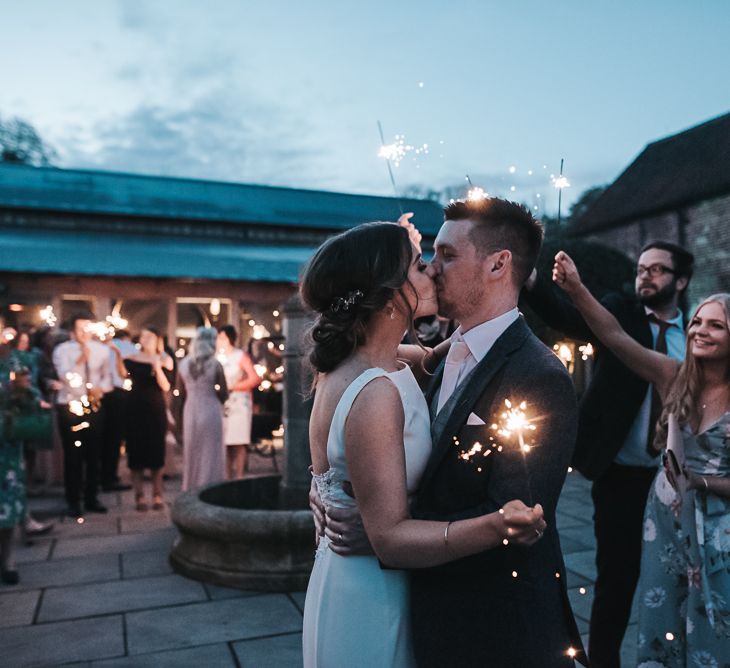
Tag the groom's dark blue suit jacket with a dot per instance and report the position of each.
(505, 607)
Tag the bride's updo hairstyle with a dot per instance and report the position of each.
(351, 277)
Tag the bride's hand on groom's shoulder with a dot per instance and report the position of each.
(524, 525)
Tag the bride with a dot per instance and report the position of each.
(370, 427)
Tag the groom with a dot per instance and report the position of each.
(508, 606)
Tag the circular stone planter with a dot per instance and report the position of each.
(235, 534)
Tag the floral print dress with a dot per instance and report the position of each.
(12, 476)
(684, 589)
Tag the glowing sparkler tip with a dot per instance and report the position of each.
(505, 542)
(561, 182)
(514, 574)
(476, 194)
(572, 652)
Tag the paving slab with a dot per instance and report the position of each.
(298, 597)
(582, 563)
(62, 642)
(64, 572)
(212, 622)
(92, 525)
(145, 564)
(38, 551)
(565, 521)
(218, 593)
(205, 656)
(108, 597)
(278, 652)
(144, 521)
(139, 542)
(583, 535)
(17, 607)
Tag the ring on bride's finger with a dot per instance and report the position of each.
(539, 533)
(339, 538)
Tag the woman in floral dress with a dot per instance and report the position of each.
(684, 587)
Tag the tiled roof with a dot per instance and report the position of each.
(673, 172)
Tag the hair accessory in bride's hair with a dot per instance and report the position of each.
(347, 302)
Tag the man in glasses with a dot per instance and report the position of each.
(618, 412)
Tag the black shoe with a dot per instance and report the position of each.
(9, 577)
(116, 487)
(95, 507)
(74, 510)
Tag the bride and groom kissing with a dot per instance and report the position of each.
(462, 563)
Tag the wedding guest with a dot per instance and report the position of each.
(616, 426)
(202, 384)
(84, 371)
(684, 589)
(146, 415)
(25, 400)
(241, 378)
(115, 412)
(12, 496)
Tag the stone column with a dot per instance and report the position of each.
(297, 407)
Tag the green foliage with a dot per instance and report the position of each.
(20, 143)
(604, 270)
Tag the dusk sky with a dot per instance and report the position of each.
(289, 93)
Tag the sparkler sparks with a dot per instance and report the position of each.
(48, 316)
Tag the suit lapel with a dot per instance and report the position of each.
(455, 412)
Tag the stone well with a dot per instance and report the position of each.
(238, 534)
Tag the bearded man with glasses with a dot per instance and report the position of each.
(618, 413)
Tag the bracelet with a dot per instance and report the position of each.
(446, 534)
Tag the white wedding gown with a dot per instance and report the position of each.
(356, 613)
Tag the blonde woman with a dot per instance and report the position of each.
(684, 588)
(202, 382)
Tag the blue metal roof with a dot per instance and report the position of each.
(97, 192)
(108, 254)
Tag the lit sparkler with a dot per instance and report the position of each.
(560, 182)
(514, 421)
(48, 316)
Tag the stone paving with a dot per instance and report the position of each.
(102, 593)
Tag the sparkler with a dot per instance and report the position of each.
(560, 183)
(475, 192)
(48, 316)
(514, 421)
(395, 153)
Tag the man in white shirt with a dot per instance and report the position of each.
(84, 370)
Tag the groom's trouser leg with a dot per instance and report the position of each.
(619, 499)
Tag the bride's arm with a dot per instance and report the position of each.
(650, 365)
(376, 463)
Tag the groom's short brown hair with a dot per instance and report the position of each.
(502, 225)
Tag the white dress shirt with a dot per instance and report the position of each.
(478, 341)
(75, 377)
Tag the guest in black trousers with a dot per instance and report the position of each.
(115, 413)
(616, 427)
(84, 372)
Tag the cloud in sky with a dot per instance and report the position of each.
(213, 137)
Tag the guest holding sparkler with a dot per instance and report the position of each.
(618, 412)
(241, 378)
(471, 572)
(149, 371)
(84, 371)
(684, 588)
